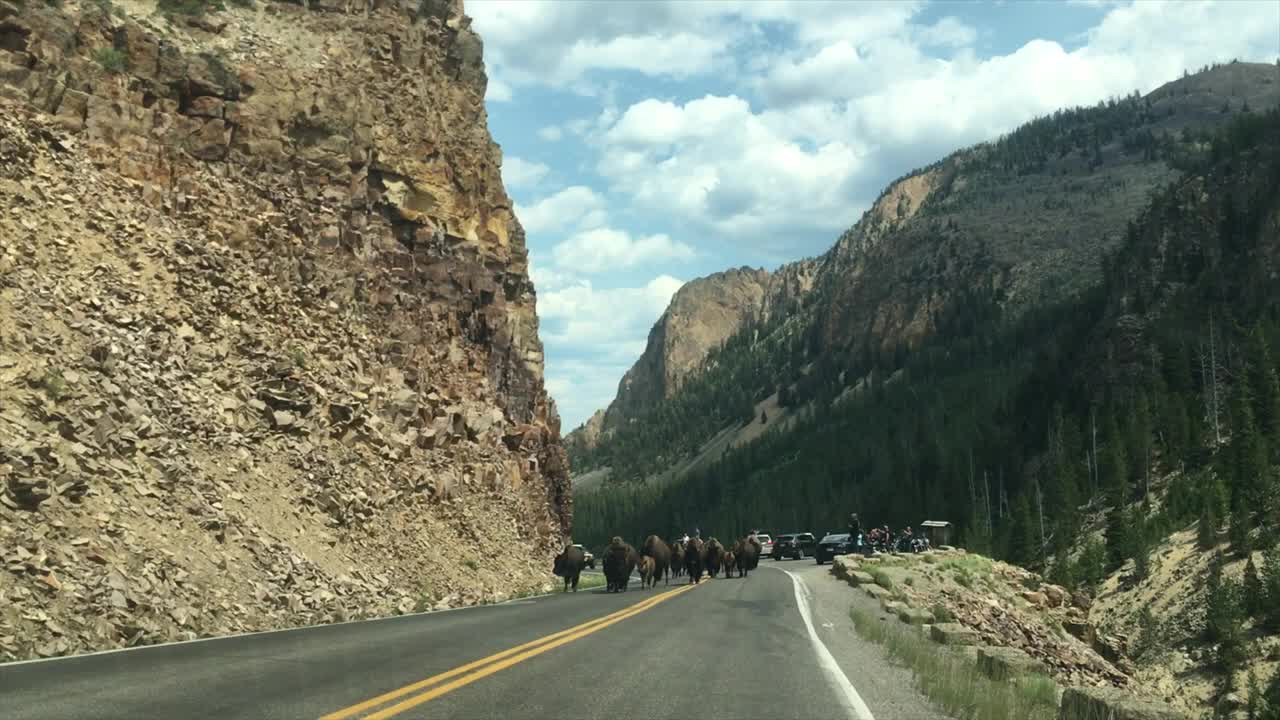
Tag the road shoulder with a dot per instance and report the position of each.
(888, 689)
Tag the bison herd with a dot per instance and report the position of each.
(656, 560)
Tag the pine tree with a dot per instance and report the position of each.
(1119, 536)
(1270, 595)
(1255, 599)
(1238, 532)
(1024, 538)
(1115, 466)
(1266, 389)
(1254, 703)
(1251, 477)
(1091, 568)
(1271, 698)
(1224, 618)
(1207, 532)
(1140, 545)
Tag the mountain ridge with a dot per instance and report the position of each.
(1069, 181)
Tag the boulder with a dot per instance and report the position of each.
(1056, 595)
(915, 616)
(953, 634)
(891, 606)
(1002, 663)
(860, 578)
(843, 566)
(1081, 600)
(877, 592)
(1109, 703)
(1079, 629)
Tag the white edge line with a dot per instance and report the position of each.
(233, 636)
(825, 658)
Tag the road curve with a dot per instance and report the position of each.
(727, 648)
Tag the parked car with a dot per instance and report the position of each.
(766, 543)
(587, 558)
(794, 545)
(832, 545)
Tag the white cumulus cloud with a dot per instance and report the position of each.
(520, 173)
(604, 249)
(586, 318)
(577, 206)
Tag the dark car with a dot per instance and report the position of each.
(833, 545)
(794, 545)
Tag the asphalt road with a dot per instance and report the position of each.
(727, 648)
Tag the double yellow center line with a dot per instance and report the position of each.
(436, 685)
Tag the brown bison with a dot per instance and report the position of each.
(568, 565)
(727, 562)
(746, 555)
(714, 552)
(693, 560)
(648, 572)
(677, 560)
(655, 548)
(619, 560)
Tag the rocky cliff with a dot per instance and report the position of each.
(702, 315)
(268, 349)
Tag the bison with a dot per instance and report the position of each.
(746, 555)
(619, 560)
(693, 552)
(568, 565)
(677, 559)
(713, 553)
(727, 562)
(648, 572)
(655, 548)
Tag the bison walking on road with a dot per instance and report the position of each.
(619, 560)
(714, 551)
(677, 559)
(746, 555)
(693, 552)
(648, 572)
(655, 548)
(727, 562)
(568, 565)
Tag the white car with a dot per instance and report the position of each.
(766, 544)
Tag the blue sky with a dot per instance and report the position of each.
(649, 143)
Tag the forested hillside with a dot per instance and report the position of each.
(1014, 421)
(989, 232)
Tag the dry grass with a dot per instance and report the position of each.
(953, 683)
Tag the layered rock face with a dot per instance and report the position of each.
(268, 349)
(702, 314)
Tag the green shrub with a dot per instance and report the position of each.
(942, 614)
(54, 385)
(882, 578)
(112, 60)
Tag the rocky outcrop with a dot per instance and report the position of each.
(702, 314)
(268, 349)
